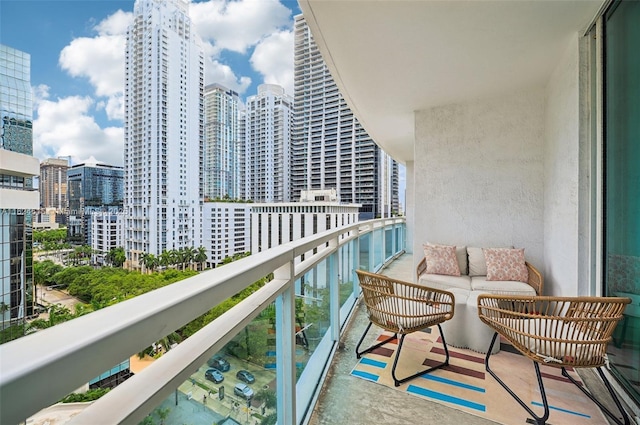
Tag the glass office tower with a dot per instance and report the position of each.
(17, 197)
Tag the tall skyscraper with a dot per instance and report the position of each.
(17, 197)
(164, 130)
(267, 131)
(221, 143)
(330, 149)
(53, 183)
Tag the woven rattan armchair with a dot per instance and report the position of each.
(402, 308)
(558, 331)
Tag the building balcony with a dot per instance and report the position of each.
(295, 319)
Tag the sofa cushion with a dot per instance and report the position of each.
(477, 262)
(440, 281)
(506, 264)
(501, 287)
(441, 259)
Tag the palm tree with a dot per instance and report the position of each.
(165, 258)
(201, 256)
(117, 256)
(188, 253)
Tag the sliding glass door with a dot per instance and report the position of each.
(622, 183)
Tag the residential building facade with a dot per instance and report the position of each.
(274, 224)
(164, 130)
(106, 233)
(226, 230)
(17, 197)
(267, 132)
(53, 183)
(221, 143)
(330, 149)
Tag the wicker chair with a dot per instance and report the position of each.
(558, 331)
(402, 308)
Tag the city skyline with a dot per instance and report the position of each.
(77, 50)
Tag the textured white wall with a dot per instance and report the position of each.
(561, 177)
(478, 174)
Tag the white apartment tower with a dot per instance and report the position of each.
(164, 130)
(267, 131)
(329, 148)
(221, 143)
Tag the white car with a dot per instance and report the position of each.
(243, 390)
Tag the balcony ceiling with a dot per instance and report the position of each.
(393, 57)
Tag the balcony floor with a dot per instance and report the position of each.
(347, 399)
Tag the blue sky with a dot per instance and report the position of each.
(77, 55)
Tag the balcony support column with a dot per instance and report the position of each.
(334, 291)
(286, 347)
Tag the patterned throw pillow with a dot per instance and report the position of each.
(506, 264)
(441, 259)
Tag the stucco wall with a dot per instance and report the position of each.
(561, 177)
(478, 174)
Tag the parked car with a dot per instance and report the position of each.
(245, 376)
(219, 363)
(214, 375)
(243, 390)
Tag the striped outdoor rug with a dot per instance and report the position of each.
(465, 385)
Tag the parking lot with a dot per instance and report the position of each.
(205, 392)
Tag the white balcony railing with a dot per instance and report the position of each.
(39, 369)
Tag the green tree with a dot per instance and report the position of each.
(201, 256)
(268, 397)
(163, 414)
(149, 261)
(44, 270)
(116, 256)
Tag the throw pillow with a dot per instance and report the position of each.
(441, 259)
(461, 254)
(506, 264)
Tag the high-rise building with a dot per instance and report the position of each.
(92, 188)
(164, 130)
(94, 185)
(330, 149)
(53, 183)
(17, 197)
(267, 131)
(221, 143)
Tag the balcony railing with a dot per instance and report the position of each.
(315, 274)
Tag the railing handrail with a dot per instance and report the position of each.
(39, 369)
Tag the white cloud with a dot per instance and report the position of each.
(223, 74)
(273, 58)
(237, 25)
(64, 127)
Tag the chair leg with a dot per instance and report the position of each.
(625, 417)
(538, 420)
(397, 381)
(373, 347)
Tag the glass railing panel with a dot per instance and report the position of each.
(345, 268)
(364, 252)
(378, 249)
(312, 307)
(238, 382)
(388, 243)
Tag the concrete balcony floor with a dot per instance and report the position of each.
(347, 399)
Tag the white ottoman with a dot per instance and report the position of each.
(454, 330)
(478, 334)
